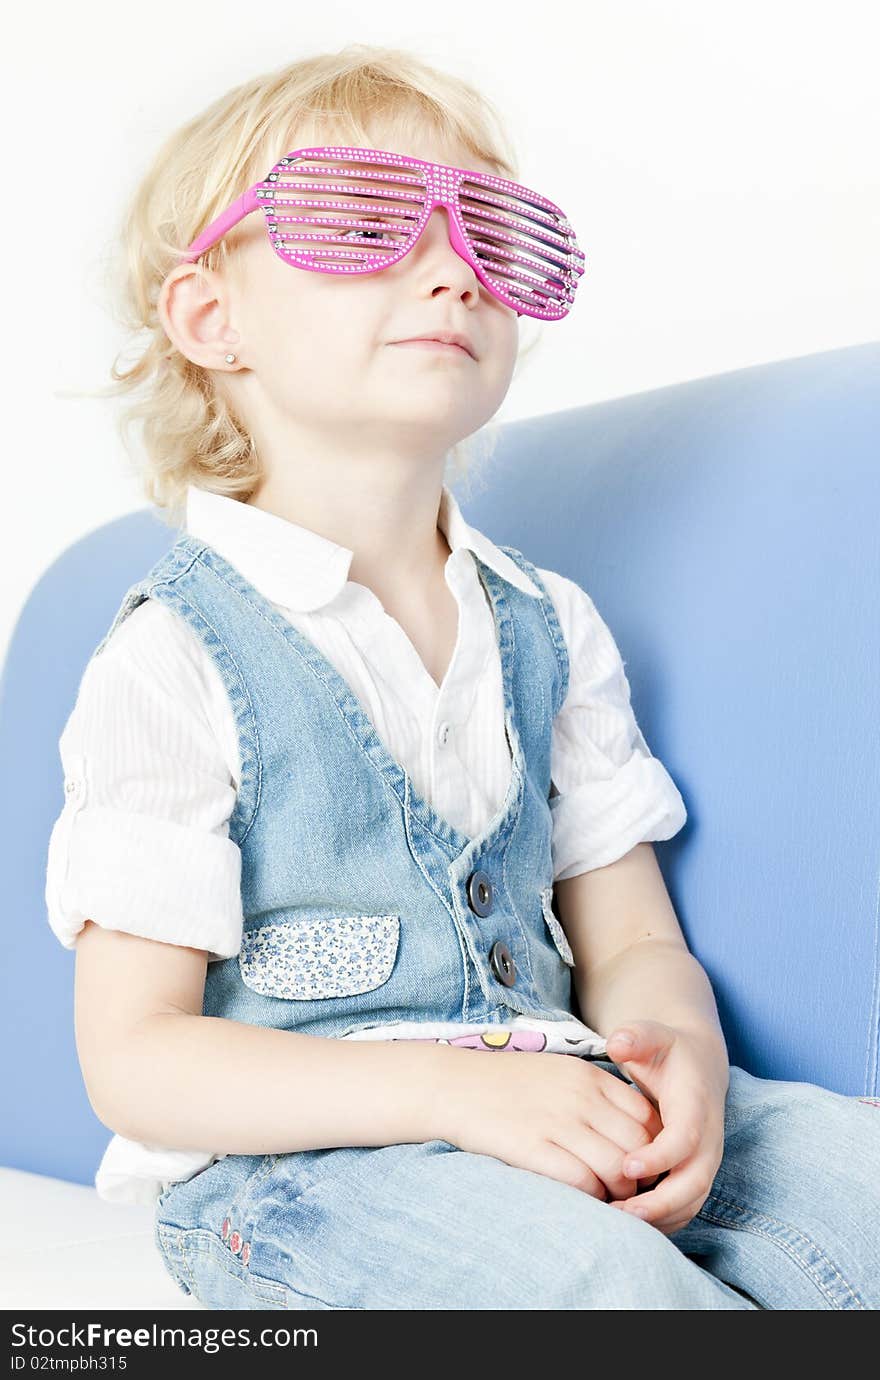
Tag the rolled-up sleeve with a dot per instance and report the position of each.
(609, 792)
(142, 841)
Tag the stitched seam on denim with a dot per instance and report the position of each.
(203, 1242)
(505, 631)
(172, 1238)
(407, 790)
(418, 862)
(174, 556)
(752, 1224)
(561, 654)
(522, 930)
(561, 651)
(217, 1253)
(551, 619)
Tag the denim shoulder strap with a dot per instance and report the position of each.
(168, 567)
(177, 580)
(551, 621)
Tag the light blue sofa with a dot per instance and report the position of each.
(727, 530)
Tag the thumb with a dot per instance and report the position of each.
(634, 1040)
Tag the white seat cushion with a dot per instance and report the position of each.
(67, 1248)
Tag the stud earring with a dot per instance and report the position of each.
(230, 359)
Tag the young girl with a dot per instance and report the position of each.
(338, 752)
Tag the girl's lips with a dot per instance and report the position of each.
(433, 345)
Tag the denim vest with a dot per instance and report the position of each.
(361, 904)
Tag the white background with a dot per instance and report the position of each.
(718, 160)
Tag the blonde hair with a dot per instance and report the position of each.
(190, 432)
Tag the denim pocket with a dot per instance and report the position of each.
(204, 1266)
(307, 957)
(558, 933)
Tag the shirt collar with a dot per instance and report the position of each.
(296, 567)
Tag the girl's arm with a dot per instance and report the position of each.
(157, 1071)
(631, 958)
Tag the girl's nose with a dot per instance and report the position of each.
(441, 213)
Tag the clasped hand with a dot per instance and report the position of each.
(685, 1075)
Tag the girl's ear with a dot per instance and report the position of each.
(192, 307)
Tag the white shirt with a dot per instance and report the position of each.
(151, 761)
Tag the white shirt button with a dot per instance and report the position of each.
(74, 789)
(443, 733)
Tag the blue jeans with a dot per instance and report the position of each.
(792, 1221)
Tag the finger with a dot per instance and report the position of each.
(559, 1162)
(673, 1195)
(643, 1184)
(603, 1157)
(616, 1125)
(638, 1085)
(630, 1100)
(670, 1228)
(684, 1121)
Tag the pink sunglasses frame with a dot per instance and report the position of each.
(442, 183)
